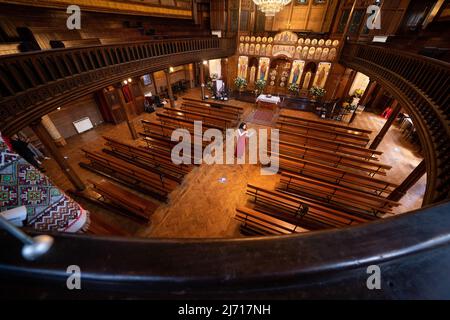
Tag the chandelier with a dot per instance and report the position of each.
(270, 7)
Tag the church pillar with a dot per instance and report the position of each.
(169, 88)
(202, 79)
(395, 110)
(410, 180)
(53, 131)
(224, 67)
(125, 108)
(41, 132)
(368, 93)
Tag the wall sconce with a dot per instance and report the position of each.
(171, 69)
(205, 62)
(129, 80)
(59, 108)
(125, 82)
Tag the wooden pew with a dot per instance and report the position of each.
(205, 118)
(339, 176)
(9, 48)
(156, 185)
(335, 146)
(127, 202)
(339, 196)
(209, 103)
(180, 122)
(324, 133)
(229, 115)
(325, 125)
(43, 35)
(147, 159)
(100, 227)
(74, 43)
(305, 213)
(333, 159)
(158, 136)
(258, 223)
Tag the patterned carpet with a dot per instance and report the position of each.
(261, 116)
(48, 208)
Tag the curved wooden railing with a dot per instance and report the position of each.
(412, 251)
(422, 86)
(33, 84)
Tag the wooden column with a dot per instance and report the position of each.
(369, 90)
(410, 180)
(53, 131)
(43, 135)
(202, 79)
(348, 85)
(224, 67)
(395, 110)
(129, 120)
(169, 88)
(344, 34)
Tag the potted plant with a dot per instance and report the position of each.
(260, 85)
(293, 88)
(317, 92)
(358, 93)
(240, 83)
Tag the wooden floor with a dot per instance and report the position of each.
(204, 205)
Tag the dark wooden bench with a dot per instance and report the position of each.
(126, 201)
(339, 160)
(158, 136)
(55, 44)
(332, 174)
(206, 119)
(229, 115)
(100, 227)
(147, 159)
(134, 177)
(335, 146)
(339, 196)
(213, 104)
(326, 124)
(258, 223)
(307, 214)
(9, 48)
(324, 133)
(182, 123)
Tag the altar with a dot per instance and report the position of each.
(268, 101)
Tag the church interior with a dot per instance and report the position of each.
(225, 148)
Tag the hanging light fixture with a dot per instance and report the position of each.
(271, 7)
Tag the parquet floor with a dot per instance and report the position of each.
(204, 205)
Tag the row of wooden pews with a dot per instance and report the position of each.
(215, 105)
(268, 211)
(325, 181)
(148, 170)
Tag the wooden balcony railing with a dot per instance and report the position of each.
(411, 250)
(33, 84)
(422, 86)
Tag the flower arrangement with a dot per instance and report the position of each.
(317, 91)
(260, 84)
(358, 93)
(293, 87)
(240, 83)
(214, 76)
(210, 85)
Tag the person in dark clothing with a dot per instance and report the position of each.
(21, 147)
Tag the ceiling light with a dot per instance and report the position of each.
(271, 7)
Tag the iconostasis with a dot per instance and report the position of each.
(285, 59)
